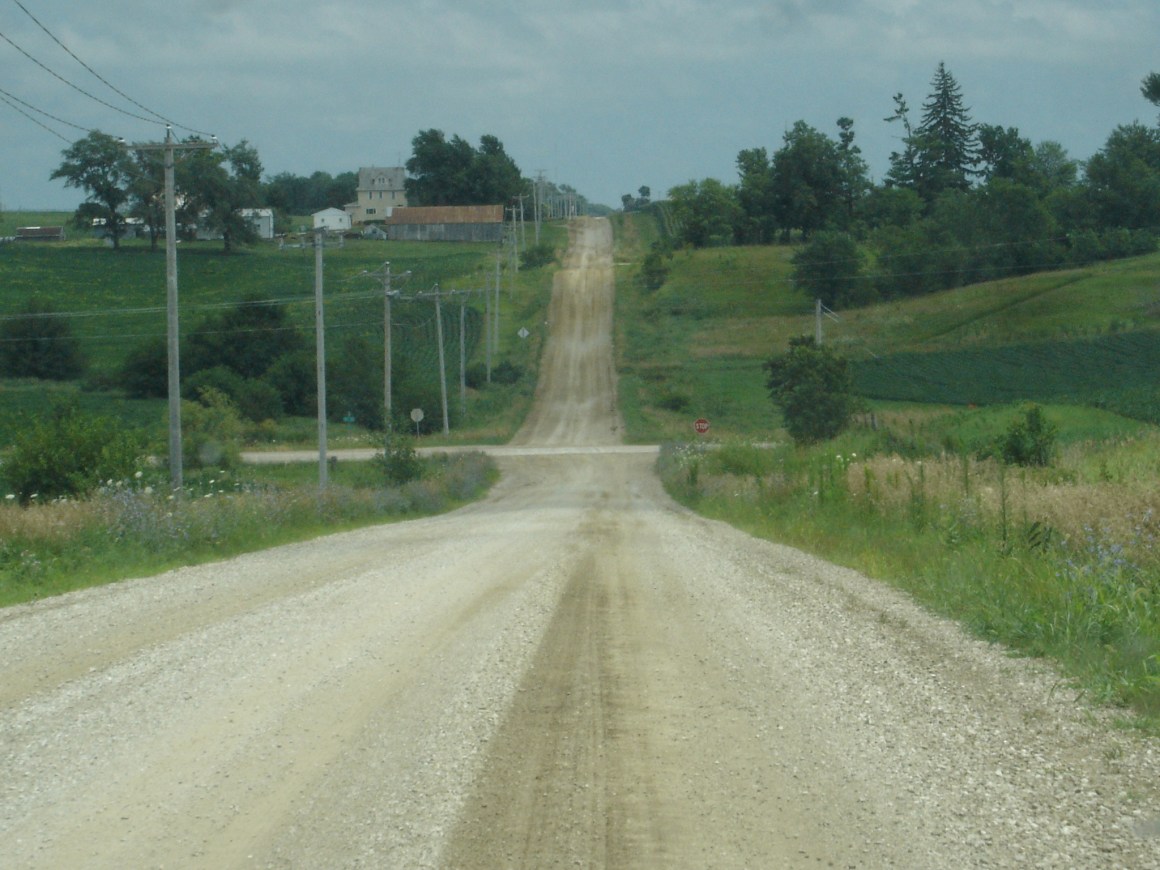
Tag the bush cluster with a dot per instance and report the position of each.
(67, 453)
(39, 344)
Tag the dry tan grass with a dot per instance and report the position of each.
(55, 522)
(1124, 511)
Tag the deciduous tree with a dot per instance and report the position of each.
(830, 268)
(99, 165)
(806, 179)
(705, 212)
(1123, 178)
(218, 185)
(451, 172)
(757, 225)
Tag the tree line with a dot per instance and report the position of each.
(961, 202)
(215, 185)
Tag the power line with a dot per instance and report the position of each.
(4, 98)
(75, 87)
(99, 77)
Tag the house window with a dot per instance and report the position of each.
(370, 211)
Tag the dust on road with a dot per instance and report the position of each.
(574, 672)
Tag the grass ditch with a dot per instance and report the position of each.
(138, 527)
(1061, 562)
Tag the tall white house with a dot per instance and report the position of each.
(380, 191)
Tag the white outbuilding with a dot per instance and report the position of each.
(262, 219)
(332, 219)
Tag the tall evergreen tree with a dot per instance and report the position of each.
(947, 140)
(853, 172)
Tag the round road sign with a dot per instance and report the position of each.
(701, 426)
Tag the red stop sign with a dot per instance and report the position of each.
(701, 426)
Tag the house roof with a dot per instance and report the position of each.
(447, 214)
(381, 178)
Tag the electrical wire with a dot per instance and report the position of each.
(75, 87)
(101, 78)
(12, 98)
(4, 98)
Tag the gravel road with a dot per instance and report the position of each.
(575, 672)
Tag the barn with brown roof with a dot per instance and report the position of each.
(447, 223)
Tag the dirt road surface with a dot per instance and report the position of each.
(574, 672)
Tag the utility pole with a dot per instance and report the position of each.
(821, 311)
(388, 295)
(498, 278)
(487, 326)
(387, 348)
(320, 349)
(538, 206)
(169, 148)
(463, 359)
(442, 360)
(523, 226)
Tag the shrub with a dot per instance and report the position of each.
(256, 400)
(145, 372)
(1028, 441)
(812, 386)
(654, 270)
(211, 431)
(39, 344)
(70, 454)
(537, 256)
(399, 462)
(507, 372)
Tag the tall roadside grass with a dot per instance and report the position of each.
(1061, 562)
(135, 527)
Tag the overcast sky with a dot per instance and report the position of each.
(605, 95)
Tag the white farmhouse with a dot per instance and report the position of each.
(332, 219)
(380, 190)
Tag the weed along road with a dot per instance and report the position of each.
(574, 672)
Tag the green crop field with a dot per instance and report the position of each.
(696, 346)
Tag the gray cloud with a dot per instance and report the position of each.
(607, 95)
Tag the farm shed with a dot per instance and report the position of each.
(451, 223)
(262, 220)
(40, 234)
(331, 219)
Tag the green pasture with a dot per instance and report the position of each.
(115, 301)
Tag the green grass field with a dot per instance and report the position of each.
(116, 300)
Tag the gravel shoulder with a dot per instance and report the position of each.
(573, 672)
